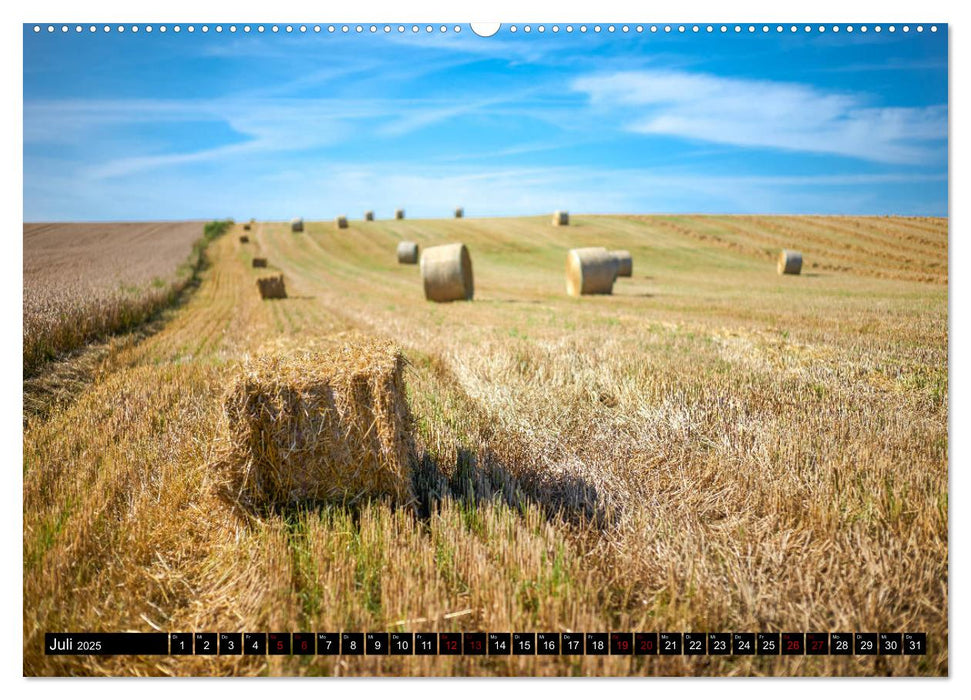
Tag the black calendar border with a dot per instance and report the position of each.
(474, 643)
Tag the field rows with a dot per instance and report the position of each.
(904, 249)
(712, 448)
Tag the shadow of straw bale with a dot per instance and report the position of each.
(481, 476)
(475, 478)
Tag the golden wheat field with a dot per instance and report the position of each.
(82, 281)
(714, 447)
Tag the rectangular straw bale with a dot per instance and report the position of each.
(272, 287)
(259, 262)
(322, 424)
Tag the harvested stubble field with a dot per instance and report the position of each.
(712, 448)
(84, 280)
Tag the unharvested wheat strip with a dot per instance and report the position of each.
(446, 273)
(590, 271)
(407, 252)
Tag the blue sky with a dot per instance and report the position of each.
(174, 126)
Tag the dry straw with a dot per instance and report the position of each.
(341, 222)
(561, 218)
(244, 239)
(369, 215)
(399, 213)
(590, 271)
(790, 262)
(446, 272)
(296, 225)
(322, 424)
(625, 263)
(459, 212)
(259, 262)
(272, 287)
(407, 252)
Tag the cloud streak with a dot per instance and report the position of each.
(767, 114)
(260, 125)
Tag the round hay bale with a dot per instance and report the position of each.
(272, 287)
(625, 263)
(326, 424)
(244, 239)
(369, 215)
(446, 272)
(590, 271)
(247, 227)
(561, 218)
(399, 213)
(341, 222)
(407, 252)
(459, 212)
(790, 262)
(259, 262)
(296, 225)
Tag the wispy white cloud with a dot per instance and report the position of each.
(508, 50)
(894, 65)
(423, 113)
(767, 114)
(260, 125)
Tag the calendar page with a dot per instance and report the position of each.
(437, 348)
